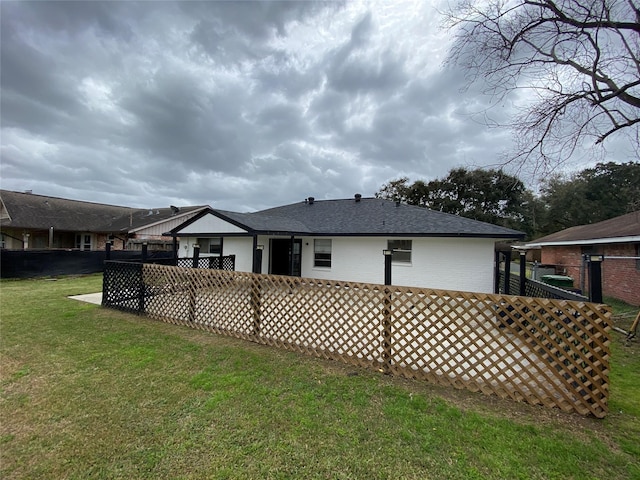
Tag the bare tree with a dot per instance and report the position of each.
(578, 59)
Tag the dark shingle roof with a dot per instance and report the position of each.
(619, 227)
(368, 217)
(37, 212)
(373, 216)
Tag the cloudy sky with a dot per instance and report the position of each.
(237, 105)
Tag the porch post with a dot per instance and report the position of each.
(386, 314)
(507, 271)
(595, 278)
(291, 242)
(175, 250)
(196, 255)
(496, 271)
(257, 256)
(388, 256)
(523, 273)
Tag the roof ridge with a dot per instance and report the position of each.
(3, 191)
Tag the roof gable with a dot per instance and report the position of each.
(210, 222)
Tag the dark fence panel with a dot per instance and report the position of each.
(45, 263)
(534, 288)
(123, 287)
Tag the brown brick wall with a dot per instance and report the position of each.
(620, 277)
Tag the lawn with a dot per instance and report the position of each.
(87, 392)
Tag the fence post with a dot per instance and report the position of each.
(386, 332)
(256, 300)
(144, 252)
(141, 289)
(523, 273)
(192, 297)
(106, 283)
(107, 250)
(507, 272)
(196, 255)
(595, 278)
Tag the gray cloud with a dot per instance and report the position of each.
(241, 105)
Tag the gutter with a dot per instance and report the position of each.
(592, 241)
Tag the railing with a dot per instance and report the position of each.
(533, 288)
(541, 351)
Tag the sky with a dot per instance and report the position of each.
(237, 105)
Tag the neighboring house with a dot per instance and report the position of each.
(30, 221)
(617, 239)
(345, 239)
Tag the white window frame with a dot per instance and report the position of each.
(322, 247)
(402, 250)
(82, 243)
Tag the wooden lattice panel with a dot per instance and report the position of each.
(541, 351)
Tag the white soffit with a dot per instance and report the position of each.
(211, 224)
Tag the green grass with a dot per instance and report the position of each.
(87, 392)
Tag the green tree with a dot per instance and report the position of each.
(605, 191)
(486, 195)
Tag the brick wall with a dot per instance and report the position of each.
(620, 277)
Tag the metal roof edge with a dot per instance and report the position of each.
(592, 241)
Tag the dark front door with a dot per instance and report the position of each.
(285, 256)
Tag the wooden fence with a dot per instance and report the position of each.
(541, 351)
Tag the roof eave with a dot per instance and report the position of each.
(589, 241)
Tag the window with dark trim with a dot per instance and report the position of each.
(322, 252)
(638, 255)
(210, 245)
(401, 250)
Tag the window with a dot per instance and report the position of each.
(210, 245)
(322, 253)
(638, 256)
(401, 250)
(83, 241)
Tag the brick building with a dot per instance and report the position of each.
(617, 239)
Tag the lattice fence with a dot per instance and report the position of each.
(542, 351)
(218, 263)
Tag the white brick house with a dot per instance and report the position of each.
(345, 239)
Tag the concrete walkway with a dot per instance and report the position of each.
(95, 298)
